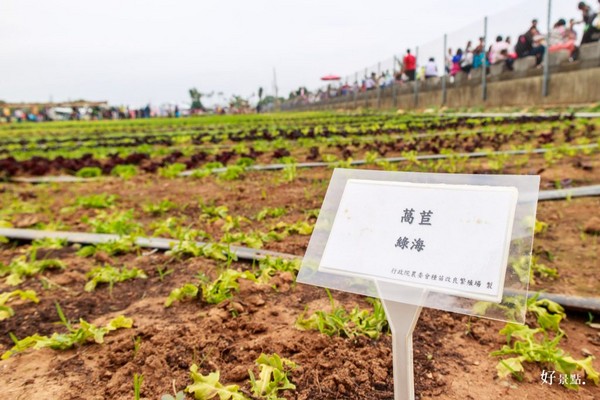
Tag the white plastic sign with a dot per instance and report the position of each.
(452, 239)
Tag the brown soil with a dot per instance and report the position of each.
(451, 351)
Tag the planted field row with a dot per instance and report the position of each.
(268, 129)
(259, 122)
(324, 150)
(24, 148)
(208, 123)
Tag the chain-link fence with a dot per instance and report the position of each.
(459, 65)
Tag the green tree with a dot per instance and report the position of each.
(196, 99)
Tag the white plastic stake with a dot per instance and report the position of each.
(402, 319)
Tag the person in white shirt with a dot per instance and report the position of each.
(370, 84)
(431, 70)
(498, 50)
(466, 63)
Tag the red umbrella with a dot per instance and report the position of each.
(330, 77)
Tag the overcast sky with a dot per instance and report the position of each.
(138, 51)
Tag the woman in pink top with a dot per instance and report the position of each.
(562, 38)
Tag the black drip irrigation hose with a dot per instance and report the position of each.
(479, 154)
(53, 179)
(244, 253)
(556, 194)
(574, 303)
(544, 195)
(581, 304)
(587, 115)
(561, 194)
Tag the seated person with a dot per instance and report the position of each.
(561, 38)
(528, 45)
(496, 50)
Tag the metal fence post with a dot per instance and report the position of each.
(378, 86)
(366, 91)
(416, 81)
(484, 63)
(355, 89)
(546, 81)
(445, 76)
(394, 86)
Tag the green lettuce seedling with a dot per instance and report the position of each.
(159, 208)
(89, 172)
(49, 243)
(272, 378)
(102, 200)
(186, 292)
(215, 251)
(252, 240)
(223, 287)
(64, 341)
(341, 323)
(269, 266)
(111, 275)
(540, 345)
(208, 387)
(20, 268)
(124, 171)
(122, 245)
(120, 223)
(172, 170)
(269, 212)
(6, 311)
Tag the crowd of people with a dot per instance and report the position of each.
(40, 113)
(465, 60)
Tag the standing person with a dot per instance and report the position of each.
(431, 70)
(591, 33)
(410, 65)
